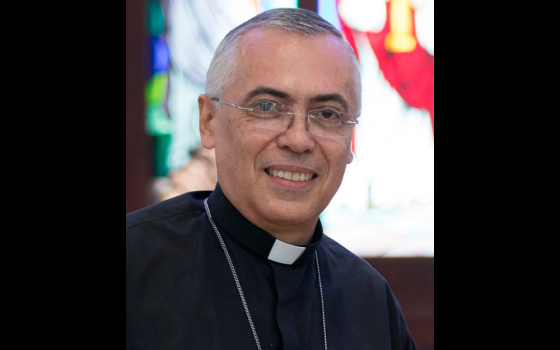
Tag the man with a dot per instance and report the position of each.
(247, 266)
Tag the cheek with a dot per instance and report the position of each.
(239, 146)
(338, 154)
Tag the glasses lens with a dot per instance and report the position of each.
(269, 115)
(322, 122)
(329, 123)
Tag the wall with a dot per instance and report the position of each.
(138, 165)
(412, 282)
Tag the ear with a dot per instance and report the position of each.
(206, 112)
(350, 155)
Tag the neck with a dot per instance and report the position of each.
(295, 228)
(294, 238)
(291, 233)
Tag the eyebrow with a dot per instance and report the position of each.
(263, 90)
(331, 97)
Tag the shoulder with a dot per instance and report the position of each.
(163, 233)
(348, 264)
(180, 205)
(167, 225)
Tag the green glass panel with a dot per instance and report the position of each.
(156, 21)
(161, 151)
(157, 121)
(156, 89)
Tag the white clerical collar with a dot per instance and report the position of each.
(285, 253)
(257, 240)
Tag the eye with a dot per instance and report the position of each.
(328, 114)
(265, 106)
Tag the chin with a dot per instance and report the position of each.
(295, 215)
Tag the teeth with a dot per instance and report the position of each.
(287, 175)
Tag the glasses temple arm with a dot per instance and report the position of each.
(230, 104)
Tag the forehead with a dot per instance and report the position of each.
(300, 66)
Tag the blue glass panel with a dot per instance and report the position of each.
(160, 55)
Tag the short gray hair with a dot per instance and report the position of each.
(298, 21)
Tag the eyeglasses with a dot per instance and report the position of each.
(325, 122)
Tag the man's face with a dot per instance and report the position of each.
(302, 72)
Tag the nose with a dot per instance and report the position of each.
(297, 137)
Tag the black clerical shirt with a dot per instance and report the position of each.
(181, 294)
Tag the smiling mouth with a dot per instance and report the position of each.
(290, 176)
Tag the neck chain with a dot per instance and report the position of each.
(243, 301)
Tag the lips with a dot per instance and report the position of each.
(290, 175)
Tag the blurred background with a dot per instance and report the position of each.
(385, 206)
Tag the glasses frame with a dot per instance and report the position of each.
(248, 109)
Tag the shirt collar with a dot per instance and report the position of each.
(231, 222)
